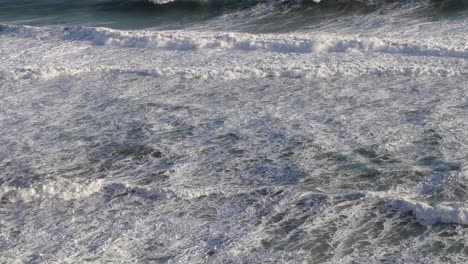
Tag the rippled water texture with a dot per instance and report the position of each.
(251, 170)
(334, 137)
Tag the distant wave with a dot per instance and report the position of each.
(258, 16)
(443, 4)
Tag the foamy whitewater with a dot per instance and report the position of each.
(170, 131)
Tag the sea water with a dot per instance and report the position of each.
(219, 131)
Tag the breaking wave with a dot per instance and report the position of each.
(300, 46)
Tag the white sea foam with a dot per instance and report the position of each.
(63, 190)
(272, 151)
(289, 43)
(456, 213)
(440, 212)
(68, 190)
(453, 213)
(224, 55)
(161, 2)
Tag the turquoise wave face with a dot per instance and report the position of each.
(245, 15)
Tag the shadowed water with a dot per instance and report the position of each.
(247, 15)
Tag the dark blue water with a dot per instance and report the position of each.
(244, 15)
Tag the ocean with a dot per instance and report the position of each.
(222, 131)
